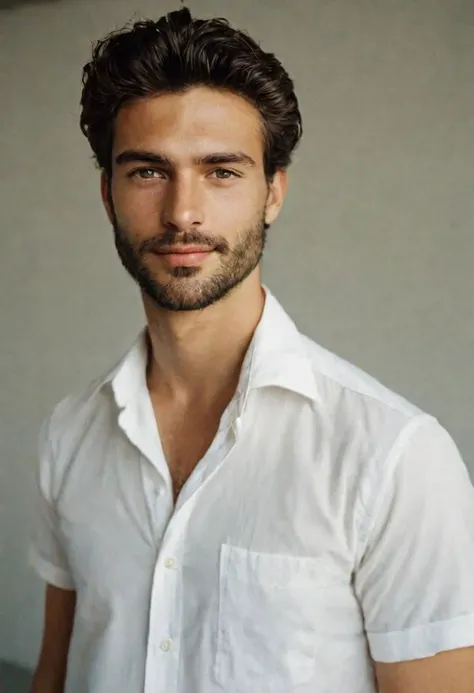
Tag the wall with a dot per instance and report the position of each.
(373, 254)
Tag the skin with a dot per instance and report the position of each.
(50, 674)
(201, 314)
(196, 354)
(446, 672)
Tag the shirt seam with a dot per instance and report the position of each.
(424, 626)
(380, 493)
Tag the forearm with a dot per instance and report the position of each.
(50, 675)
(48, 679)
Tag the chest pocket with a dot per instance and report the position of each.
(269, 612)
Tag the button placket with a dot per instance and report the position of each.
(165, 616)
(167, 589)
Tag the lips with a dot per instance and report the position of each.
(185, 256)
(183, 250)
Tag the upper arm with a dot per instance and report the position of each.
(48, 553)
(50, 560)
(447, 672)
(415, 578)
(58, 624)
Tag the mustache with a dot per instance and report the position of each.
(174, 238)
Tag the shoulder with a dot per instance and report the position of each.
(368, 425)
(383, 448)
(68, 424)
(353, 394)
(72, 413)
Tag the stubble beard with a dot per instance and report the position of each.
(185, 290)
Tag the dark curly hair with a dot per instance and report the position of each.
(179, 52)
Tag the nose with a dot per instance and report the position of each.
(182, 205)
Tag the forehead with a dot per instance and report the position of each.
(190, 123)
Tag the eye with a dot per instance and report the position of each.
(145, 173)
(224, 174)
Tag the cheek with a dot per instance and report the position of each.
(138, 210)
(234, 221)
(238, 206)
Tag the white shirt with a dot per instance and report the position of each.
(330, 521)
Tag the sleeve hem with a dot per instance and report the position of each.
(50, 573)
(422, 641)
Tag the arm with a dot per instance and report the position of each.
(51, 670)
(447, 672)
(49, 558)
(415, 578)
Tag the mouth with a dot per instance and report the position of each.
(183, 250)
(184, 256)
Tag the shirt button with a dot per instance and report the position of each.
(170, 563)
(165, 645)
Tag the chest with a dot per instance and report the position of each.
(274, 489)
(186, 434)
(258, 550)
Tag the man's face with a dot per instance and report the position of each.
(188, 198)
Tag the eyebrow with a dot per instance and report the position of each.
(215, 159)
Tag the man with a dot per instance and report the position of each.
(232, 507)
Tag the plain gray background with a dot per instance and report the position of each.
(372, 256)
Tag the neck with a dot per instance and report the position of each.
(197, 355)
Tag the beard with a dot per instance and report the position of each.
(185, 290)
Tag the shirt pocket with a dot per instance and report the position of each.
(269, 607)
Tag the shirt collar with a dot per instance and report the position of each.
(280, 357)
(277, 357)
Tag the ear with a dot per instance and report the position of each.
(276, 195)
(104, 191)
